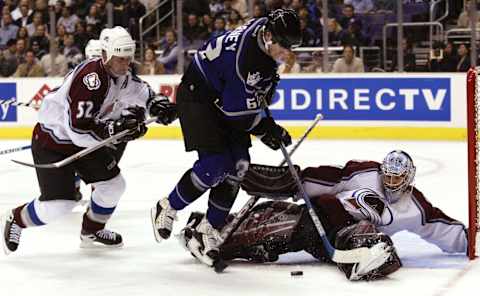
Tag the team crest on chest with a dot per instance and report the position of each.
(253, 78)
(92, 81)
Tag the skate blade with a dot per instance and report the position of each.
(157, 236)
(96, 245)
(3, 222)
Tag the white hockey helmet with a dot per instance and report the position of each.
(398, 171)
(117, 42)
(93, 49)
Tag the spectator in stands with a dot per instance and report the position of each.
(36, 21)
(68, 20)
(235, 20)
(290, 64)
(442, 59)
(72, 53)
(193, 32)
(133, 11)
(20, 46)
(219, 27)
(81, 8)
(30, 68)
(259, 10)
(349, 63)
(463, 58)
(361, 6)
(58, 8)
(464, 17)
(81, 35)
(352, 35)
(8, 30)
(17, 12)
(295, 5)
(227, 10)
(41, 6)
(334, 33)
(316, 66)
(93, 18)
(348, 17)
(60, 36)
(274, 4)
(308, 35)
(24, 12)
(207, 24)
(150, 65)
(54, 63)
(41, 37)
(22, 33)
(169, 52)
(409, 59)
(37, 50)
(8, 59)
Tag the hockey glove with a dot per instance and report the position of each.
(132, 118)
(161, 107)
(272, 134)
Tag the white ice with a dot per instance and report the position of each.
(50, 262)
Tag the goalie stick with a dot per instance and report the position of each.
(82, 153)
(227, 231)
(338, 256)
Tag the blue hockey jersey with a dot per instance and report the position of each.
(235, 66)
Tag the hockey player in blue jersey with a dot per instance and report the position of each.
(220, 102)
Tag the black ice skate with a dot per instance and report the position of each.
(162, 215)
(11, 232)
(103, 237)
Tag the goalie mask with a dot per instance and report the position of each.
(365, 234)
(398, 171)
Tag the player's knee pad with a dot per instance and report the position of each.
(108, 193)
(211, 169)
(47, 211)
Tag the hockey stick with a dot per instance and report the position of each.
(307, 132)
(337, 256)
(17, 149)
(82, 153)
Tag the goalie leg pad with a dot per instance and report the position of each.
(269, 181)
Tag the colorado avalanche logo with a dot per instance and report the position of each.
(91, 81)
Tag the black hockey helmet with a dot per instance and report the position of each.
(284, 25)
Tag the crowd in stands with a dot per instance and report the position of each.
(27, 48)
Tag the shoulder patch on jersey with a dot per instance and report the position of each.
(253, 78)
(92, 81)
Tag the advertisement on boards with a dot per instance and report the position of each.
(370, 98)
(8, 97)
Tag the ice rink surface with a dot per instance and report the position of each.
(50, 262)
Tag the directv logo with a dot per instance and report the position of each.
(421, 99)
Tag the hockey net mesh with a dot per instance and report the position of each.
(473, 120)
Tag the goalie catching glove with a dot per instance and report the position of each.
(159, 106)
(133, 119)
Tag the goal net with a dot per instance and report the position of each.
(473, 105)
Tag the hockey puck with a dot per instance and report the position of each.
(296, 273)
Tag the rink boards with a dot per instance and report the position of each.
(362, 106)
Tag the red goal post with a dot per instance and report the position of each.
(473, 91)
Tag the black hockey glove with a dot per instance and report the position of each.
(161, 107)
(272, 134)
(132, 118)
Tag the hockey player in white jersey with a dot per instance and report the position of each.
(93, 49)
(97, 100)
(382, 193)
